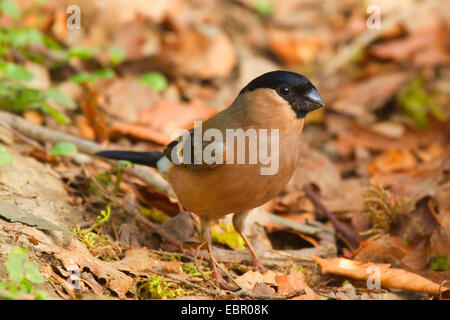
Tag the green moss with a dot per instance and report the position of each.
(158, 287)
(439, 263)
(174, 257)
(154, 214)
(301, 269)
(192, 270)
(225, 234)
(416, 102)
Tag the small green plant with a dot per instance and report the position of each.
(99, 220)
(10, 8)
(416, 102)
(174, 257)
(191, 269)
(439, 263)
(93, 77)
(264, 8)
(104, 178)
(22, 275)
(301, 269)
(5, 157)
(83, 53)
(116, 55)
(63, 149)
(156, 80)
(158, 287)
(120, 168)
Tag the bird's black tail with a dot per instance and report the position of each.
(145, 158)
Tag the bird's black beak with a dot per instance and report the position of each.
(313, 100)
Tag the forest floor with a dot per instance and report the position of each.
(366, 215)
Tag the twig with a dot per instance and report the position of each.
(247, 294)
(133, 211)
(21, 136)
(240, 294)
(193, 285)
(348, 52)
(343, 229)
(43, 134)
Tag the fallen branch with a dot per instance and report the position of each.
(43, 134)
(340, 227)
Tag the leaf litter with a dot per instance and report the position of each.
(376, 158)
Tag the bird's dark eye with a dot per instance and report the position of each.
(284, 90)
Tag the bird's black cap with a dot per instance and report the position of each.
(296, 89)
(275, 79)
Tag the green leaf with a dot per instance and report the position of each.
(15, 72)
(25, 37)
(56, 114)
(124, 163)
(94, 76)
(83, 53)
(264, 8)
(440, 263)
(225, 234)
(63, 149)
(16, 263)
(116, 55)
(154, 79)
(10, 8)
(61, 98)
(20, 267)
(416, 102)
(5, 157)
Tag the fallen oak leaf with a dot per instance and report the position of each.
(294, 281)
(389, 277)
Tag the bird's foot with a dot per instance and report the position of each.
(222, 283)
(258, 265)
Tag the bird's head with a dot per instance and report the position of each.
(286, 89)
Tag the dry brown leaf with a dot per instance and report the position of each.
(204, 53)
(425, 49)
(393, 160)
(127, 98)
(168, 116)
(90, 106)
(251, 278)
(357, 99)
(389, 277)
(76, 254)
(295, 280)
(442, 199)
(141, 132)
(315, 168)
(292, 48)
(440, 243)
(356, 136)
(418, 182)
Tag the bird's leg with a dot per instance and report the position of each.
(238, 223)
(206, 235)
